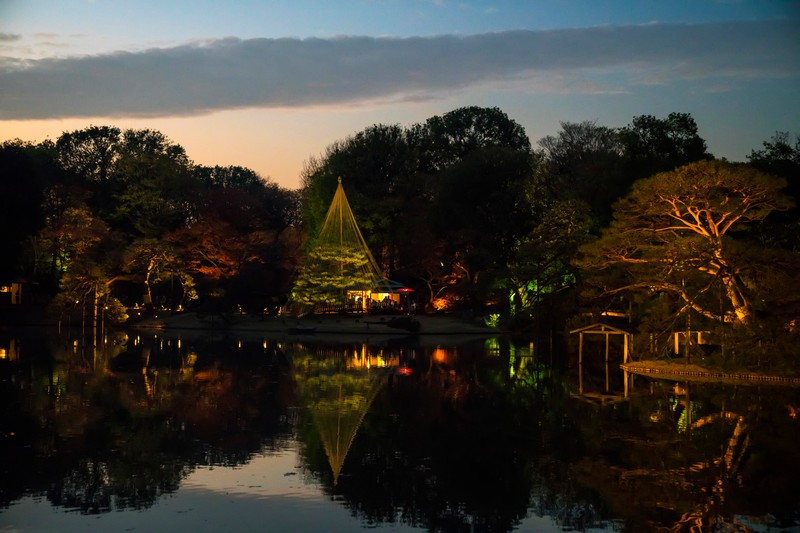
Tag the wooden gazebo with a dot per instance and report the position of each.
(604, 329)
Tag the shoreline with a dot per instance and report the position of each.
(315, 325)
(691, 372)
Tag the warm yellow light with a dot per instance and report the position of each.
(440, 304)
(3, 353)
(439, 355)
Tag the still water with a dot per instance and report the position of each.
(181, 432)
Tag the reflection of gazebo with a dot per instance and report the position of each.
(340, 272)
(606, 331)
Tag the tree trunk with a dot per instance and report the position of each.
(742, 310)
(95, 306)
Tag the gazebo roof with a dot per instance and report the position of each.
(600, 328)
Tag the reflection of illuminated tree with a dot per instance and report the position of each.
(450, 446)
(338, 398)
(699, 461)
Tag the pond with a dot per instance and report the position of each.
(156, 431)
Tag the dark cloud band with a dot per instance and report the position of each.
(234, 73)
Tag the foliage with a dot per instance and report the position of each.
(654, 145)
(458, 207)
(429, 198)
(781, 156)
(25, 172)
(584, 162)
(683, 234)
(541, 265)
(329, 271)
(103, 206)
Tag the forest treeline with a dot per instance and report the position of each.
(640, 220)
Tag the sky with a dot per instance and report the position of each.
(269, 84)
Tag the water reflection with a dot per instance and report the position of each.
(480, 435)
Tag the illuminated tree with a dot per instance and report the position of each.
(155, 260)
(329, 271)
(681, 233)
(339, 259)
(541, 266)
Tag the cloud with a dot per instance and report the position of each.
(9, 37)
(233, 73)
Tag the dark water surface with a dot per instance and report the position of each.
(177, 432)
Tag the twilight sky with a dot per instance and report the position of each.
(266, 84)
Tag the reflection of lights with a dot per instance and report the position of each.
(404, 371)
(492, 345)
(439, 355)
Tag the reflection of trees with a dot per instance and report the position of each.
(687, 458)
(121, 437)
(474, 436)
(451, 446)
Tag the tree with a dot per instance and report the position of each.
(26, 170)
(781, 157)
(153, 260)
(675, 234)
(156, 191)
(234, 177)
(654, 145)
(540, 267)
(375, 165)
(89, 153)
(584, 162)
(482, 208)
(450, 137)
(328, 272)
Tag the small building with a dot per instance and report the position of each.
(605, 330)
(11, 293)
